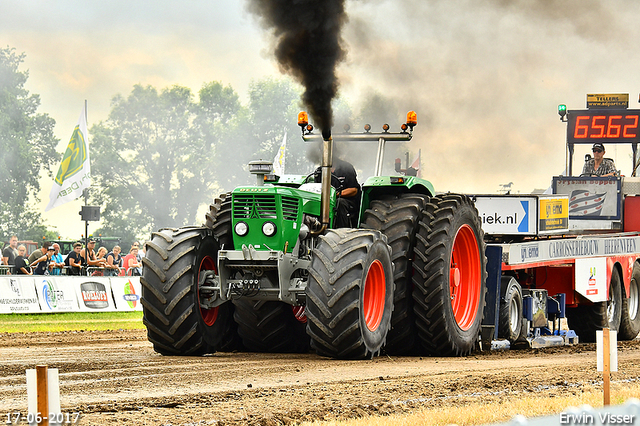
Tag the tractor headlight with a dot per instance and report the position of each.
(269, 229)
(241, 229)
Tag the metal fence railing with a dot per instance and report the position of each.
(84, 271)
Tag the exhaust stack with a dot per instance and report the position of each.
(327, 165)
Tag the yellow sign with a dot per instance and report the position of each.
(612, 100)
(553, 214)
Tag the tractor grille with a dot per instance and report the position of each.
(251, 206)
(290, 208)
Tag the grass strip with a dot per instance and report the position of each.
(70, 321)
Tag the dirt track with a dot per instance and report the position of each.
(116, 378)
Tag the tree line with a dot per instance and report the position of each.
(159, 157)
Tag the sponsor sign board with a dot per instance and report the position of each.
(560, 249)
(507, 215)
(591, 278)
(553, 214)
(590, 198)
(94, 294)
(56, 293)
(126, 293)
(18, 295)
(608, 100)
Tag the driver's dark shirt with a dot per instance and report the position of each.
(346, 170)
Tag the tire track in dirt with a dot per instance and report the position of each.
(116, 377)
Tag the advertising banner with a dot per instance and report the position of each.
(507, 215)
(18, 295)
(94, 294)
(56, 294)
(591, 278)
(126, 293)
(590, 198)
(554, 214)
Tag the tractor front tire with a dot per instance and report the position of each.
(350, 294)
(176, 323)
(270, 326)
(397, 217)
(450, 273)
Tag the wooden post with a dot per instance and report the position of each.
(606, 364)
(43, 393)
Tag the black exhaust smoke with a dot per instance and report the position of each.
(308, 47)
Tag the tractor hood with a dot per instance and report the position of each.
(270, 217)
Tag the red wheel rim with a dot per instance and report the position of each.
(465, 277)
(209, 316)
(299, 312)
(374, 295)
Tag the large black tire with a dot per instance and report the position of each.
(218, 218)
(450, 276)
(397, 217)
(176, 324)
(585, 320)
(510, 316)
(630, 317)
(350, 294)
(269, 326)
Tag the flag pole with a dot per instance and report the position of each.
(86, 199)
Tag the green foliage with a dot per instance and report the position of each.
(28, 147)
(162, 155)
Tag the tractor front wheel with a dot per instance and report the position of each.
(176, 322)
(397, 217)
(270, 326)
(350, 294)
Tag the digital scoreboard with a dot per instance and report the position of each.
(603, 125)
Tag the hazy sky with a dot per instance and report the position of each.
(484, 76)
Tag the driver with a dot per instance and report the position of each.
(598, 165)
(349, 196)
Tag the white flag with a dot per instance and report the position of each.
(278, 160)
(74, 174)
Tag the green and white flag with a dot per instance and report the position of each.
(278, 160)
(74, 174)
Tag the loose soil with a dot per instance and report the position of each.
(115, 378)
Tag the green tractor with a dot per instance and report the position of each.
(268, 272)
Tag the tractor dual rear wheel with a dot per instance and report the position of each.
(397, 217)
(350, 294)
(450, 273)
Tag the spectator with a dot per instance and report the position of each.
(130, 262)
(10, 252)
(37, 254)
(57, 261)
(138, 257)
(91, 260)
(114, 262)
(102, 251)
(21, 266)
(43, 263)
(74, 261)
